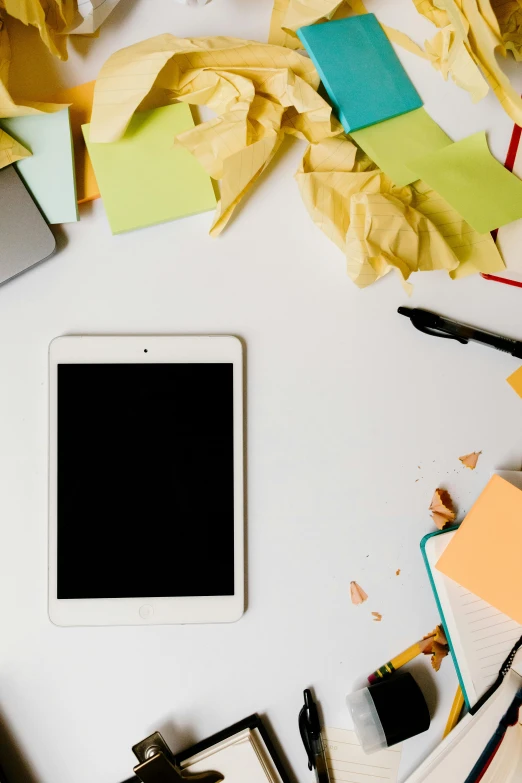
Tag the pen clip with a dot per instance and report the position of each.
(307, 715)
(434, 332)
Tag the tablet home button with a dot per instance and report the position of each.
(146, 612)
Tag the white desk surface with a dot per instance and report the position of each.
(354, 418)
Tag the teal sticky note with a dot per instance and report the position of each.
(361, 73)
(49, 173)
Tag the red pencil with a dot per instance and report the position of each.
(509, 164)
(504, 280)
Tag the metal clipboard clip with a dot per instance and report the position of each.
(158, 765)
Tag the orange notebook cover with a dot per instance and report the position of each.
(485, 555)
(80, 99)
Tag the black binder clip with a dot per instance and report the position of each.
(157, 764)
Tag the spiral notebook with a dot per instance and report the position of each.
(456, 756)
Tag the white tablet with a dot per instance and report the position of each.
(146, 480)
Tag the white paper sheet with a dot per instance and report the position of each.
(348, 763)
(93, 13)
(481, 636)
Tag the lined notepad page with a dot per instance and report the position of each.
(481, 636)
(348, 763)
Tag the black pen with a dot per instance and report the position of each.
(310, 729)
(436, 325)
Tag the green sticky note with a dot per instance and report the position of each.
(143, 178)
(49, 173)
(469, 178)
(393, 142)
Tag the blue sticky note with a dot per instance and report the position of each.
(360, 71)
(49, 173)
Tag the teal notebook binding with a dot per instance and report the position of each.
(361, 73)
(480, 636)
(439, 606)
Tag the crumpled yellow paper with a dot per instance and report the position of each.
(471, 32)
(277, 35)
(467, 45)
(381, 227)
(259, 92)
(448, 54)
(289, 15)
(11, 150)
(92, 14)
(50, 17)
(509, 16)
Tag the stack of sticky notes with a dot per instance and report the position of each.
(360, 71)
(379, 107)
(144, 178)
(484, 555)
(372, 94)
(48, 173)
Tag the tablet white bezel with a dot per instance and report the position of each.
(146, 610)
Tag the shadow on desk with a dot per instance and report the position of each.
(13, 767)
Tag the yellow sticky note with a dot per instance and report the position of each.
(144, 177)
(258, 93)
(393, 142)
(80, 99)
(469, 178)
(484, 554)
(515, 381)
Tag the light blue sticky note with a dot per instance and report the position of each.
(361, 73)
(49, 173)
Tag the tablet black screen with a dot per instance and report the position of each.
(145, 480)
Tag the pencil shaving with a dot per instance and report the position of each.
(377, 617)
(470, 460)
(426, 644)
(442, 509)
(357, 594)
(436, 646)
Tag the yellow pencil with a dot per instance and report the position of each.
(456, 709)
(401, 659)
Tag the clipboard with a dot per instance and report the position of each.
(157, 764)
